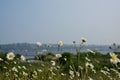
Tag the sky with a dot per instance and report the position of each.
(48, 21)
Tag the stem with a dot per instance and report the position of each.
(86, 70)
(80, 45)
(58, 48)
(73, 65)
(78, 60)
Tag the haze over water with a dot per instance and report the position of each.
(29, 50)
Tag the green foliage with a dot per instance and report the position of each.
(66, 58)
(48, 57)
(44, 70)
(3, 55)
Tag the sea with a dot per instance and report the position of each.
(29, 50)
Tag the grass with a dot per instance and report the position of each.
(90, 67)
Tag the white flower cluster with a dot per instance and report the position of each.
(11, 55)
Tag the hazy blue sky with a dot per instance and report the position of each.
(48, 21)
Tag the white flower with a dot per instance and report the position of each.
(105, 72)
(19, 67)
(71, 74)
(60, 43)
(25, 74)
(53, 73)
(16, 75)
(22, 58)
(53, 63)
(114, 58)
(89, 65)
(84, 39)
(14, 62)
(78, 74)
(91, 51)
(58, 55)
(63, 74)
(10, 56)
(5, 67)
(24, 67)
(94, 70)
(35, 72)
(1, 59)
(90, 78)
(38, 44)
(80, 67)
(14, 69)
(50, 78)
(34, 76)
(87, 59)
(65, 59)
(39, 70)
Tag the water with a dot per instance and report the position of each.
(29, 50)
